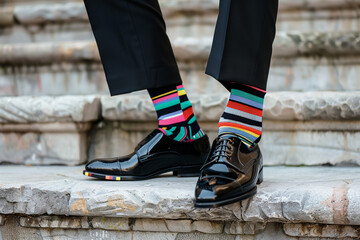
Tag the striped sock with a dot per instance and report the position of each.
(243, 113)
(175, 113)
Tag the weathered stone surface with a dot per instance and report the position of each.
(54, 12)
(49, 52)
(179, 225)
(312, 106)
(43, 148)
(305, 4)
(65, 227)
(6, 16)
(315, 195)
(290, 44)
(44, 12)
(315, 147)
(150, 225)
(53, 80)
(314, 74)
(36, 130)
(324, 20)
(244, 227)
(277, 106)
(54, 222)
(208, 227)
(323, 231)
(49, 109)
(185, 48)
(298, 74)
(118, 224)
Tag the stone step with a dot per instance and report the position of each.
(311, 128)
(312, 15)
(186, 49)
(46, 130)
(291, 203)
(301, 62)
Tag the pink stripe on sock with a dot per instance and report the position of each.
(165, 98)
(162, 130)
(179, 86)
(172, 120)
(261, 90)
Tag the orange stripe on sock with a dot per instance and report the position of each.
(244, 108)
(188, 112)
(229, 124)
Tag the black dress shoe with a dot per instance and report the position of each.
(230, 173)
(154, 155)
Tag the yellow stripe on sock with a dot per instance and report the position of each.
(161, 95)
(181, 92)
(118, 178)
(251, 133)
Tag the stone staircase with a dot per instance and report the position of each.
(55, 110)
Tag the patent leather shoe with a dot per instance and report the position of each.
(155, 155)
(230, 173)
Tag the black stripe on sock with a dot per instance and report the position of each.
(168, 110)
(154, 92)
(241, 119)
(247, 89)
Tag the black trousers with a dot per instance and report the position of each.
(136, 52)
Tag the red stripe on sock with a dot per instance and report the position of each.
(230, 124)
(188, 112)
(261, 90)
(244, 108)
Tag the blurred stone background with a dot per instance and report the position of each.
(55, 106)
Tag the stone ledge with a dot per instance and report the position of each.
(278, 106)
(185, 226)
(60, 227)
(325, 195)
(186, 49)
(46, 109)
(64, 12)
(46, 130)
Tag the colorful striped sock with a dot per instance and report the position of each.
(175, 113)
(243, 113)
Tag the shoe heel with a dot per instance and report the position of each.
(261, 177)
(188, 171)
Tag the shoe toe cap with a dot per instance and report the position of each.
(101, 166)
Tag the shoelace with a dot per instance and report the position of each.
(222, 152)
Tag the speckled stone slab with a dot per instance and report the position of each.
(329, 195)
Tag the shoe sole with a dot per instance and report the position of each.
(190, 171)
(235, 199)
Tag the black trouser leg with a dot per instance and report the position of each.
(133, 45)
(242, 44)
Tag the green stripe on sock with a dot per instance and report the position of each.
(167, 104)
(193, 119)
(185, 104)
(180, 135)
(247, 95)
(168, 132)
